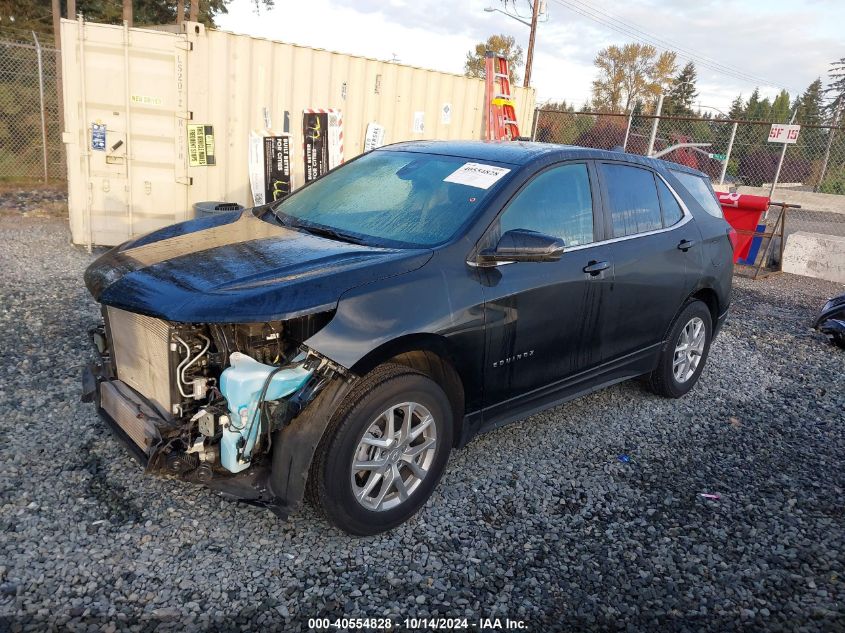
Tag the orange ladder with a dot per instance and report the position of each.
(501, 115)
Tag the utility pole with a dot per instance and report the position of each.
(71, 9)
(529, 58)
(195, 10)
(57, 38)
(127, 12)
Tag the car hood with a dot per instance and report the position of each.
(237, 268)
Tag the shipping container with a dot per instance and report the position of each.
(157, 120)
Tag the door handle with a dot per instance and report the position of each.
(685, 245)
(594, 268)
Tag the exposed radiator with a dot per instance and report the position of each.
(141, 352)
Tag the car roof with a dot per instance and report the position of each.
(525, 152)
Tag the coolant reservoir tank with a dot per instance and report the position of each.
(241, 384)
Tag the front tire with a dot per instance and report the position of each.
(684, 352)
(383, 452)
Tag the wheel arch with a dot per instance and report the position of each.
(431, 355)
(710, 298)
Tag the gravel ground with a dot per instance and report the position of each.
(543, 521)
(44, 201)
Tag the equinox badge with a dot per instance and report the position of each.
(513, 359)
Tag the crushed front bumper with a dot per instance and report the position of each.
(135, 423)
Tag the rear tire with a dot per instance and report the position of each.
(383, 452)
(684, 352)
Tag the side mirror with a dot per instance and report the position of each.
(520, 245)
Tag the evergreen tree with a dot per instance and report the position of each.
(752, 106)
(836, 88)
(810, 104)
(780, 111)
(810, 111)
(682, 95)
(737, 110)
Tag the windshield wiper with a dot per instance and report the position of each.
(331, 233)
(286, 220)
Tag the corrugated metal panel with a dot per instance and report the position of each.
(227, 81)
(127, 80)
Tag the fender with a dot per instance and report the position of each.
(294, 446)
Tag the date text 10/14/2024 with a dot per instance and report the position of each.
(417, 624)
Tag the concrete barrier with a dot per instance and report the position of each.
(815, 255)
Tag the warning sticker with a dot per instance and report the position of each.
(200, 145)
(476, 175)
(98, 136)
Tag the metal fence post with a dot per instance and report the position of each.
(627, 131)
(728, 155)
(830, 136)
(653, 136)
(41, 97)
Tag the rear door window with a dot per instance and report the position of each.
(631, 200)
(701, 190)
(672, 212)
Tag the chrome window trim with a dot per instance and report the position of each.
(687, 217)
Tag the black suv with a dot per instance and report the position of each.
(342, 341)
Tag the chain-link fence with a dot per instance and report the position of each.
(30, 117)
(730, 152)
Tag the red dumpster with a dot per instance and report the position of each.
(743, 211)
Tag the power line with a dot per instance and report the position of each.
(637, 33)
(696, 54)
(646, 37)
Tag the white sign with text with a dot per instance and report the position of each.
(782, 133)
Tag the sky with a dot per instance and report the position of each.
(770, 44)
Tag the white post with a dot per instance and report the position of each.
(654, 125)
(41, 96)
(627, 132)
(728, 155)
(129, 141)
(86, 139)
(780, 161)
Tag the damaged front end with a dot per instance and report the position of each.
(831, 320)
(206, 402)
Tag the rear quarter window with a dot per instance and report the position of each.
(701, 190)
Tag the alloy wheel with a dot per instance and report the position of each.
(393, 457)
(689, 349)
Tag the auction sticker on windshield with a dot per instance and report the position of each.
(476, 175)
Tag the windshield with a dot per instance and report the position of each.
(395, 198)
